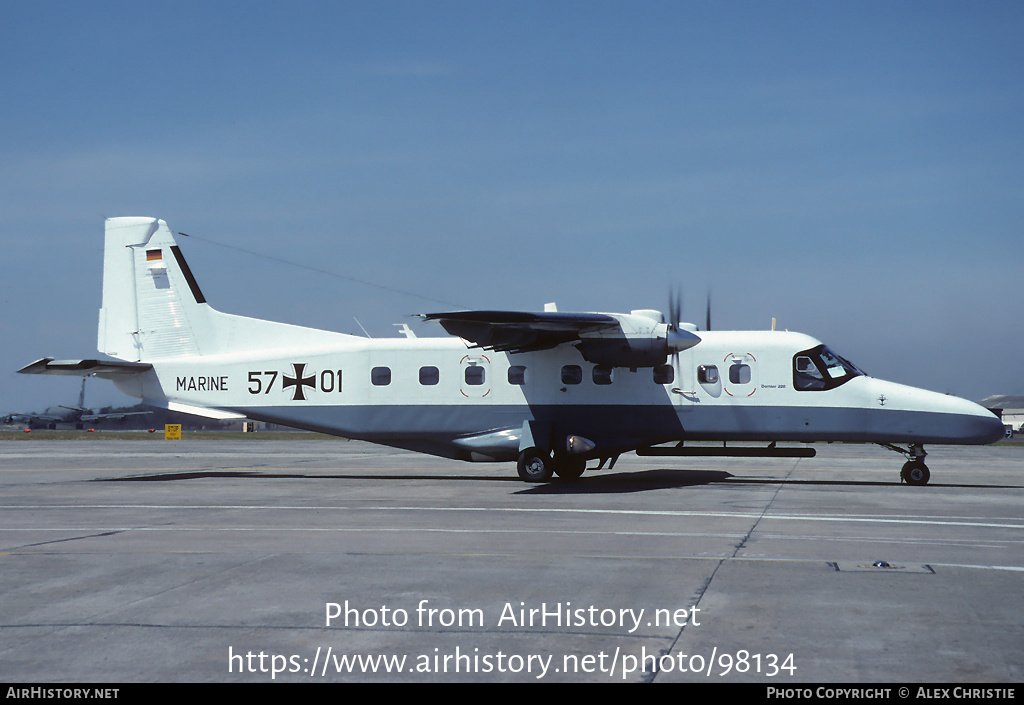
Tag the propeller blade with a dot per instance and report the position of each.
(675, 308)
(707, 314)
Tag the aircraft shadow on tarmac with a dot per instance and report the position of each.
(666, 479)
(618, 482)
(608, 483)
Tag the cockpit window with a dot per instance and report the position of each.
(819, 369)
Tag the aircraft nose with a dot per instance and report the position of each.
(976, 424)
(923, 416)
(990, 429)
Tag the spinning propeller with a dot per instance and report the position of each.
(677, 338)
(675, 312)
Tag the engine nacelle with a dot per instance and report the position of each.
(624, 352)
(641, 341)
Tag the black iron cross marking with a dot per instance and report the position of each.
(298, 381)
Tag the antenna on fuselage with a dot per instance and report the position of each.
(361, 326)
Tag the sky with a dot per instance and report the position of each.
(853, 170)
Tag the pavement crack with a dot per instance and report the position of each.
(649, 677)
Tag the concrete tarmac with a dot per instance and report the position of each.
(331, 560)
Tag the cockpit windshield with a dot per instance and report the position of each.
(819, 369)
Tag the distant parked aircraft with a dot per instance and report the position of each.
(79, 416)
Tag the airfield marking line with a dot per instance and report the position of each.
(530, 556)
(1016, 569)
(993, 544)
(543, 510)
(109, 531)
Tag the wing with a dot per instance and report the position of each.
(118, 416)
(637, 339)
(29, 418)
(516, 331)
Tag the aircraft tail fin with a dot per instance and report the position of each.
(153, 307)
(150, 299)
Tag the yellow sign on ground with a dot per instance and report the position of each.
(172, 432)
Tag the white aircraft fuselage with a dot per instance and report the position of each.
(551, 390)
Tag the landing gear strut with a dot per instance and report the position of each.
(914, 471)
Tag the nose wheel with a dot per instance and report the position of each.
(914, 471)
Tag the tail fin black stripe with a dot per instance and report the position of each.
(200, 299)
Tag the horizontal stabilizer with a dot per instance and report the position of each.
(84, 368)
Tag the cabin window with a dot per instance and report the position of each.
(664, 374)
(739, 373)
(380, 376)
(707, 374)
(602, 374)
(572, 374)
(475, 375)
(429, 376)
(517, 375)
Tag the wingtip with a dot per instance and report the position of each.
(36, 368)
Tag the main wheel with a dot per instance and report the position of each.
(534, 465)
(915, 472)
(570, 468)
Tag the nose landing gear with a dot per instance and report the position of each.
(914, 471)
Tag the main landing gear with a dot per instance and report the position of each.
(536, 465)
(914, 471)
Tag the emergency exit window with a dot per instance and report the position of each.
(475, 375)
(739, 373)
